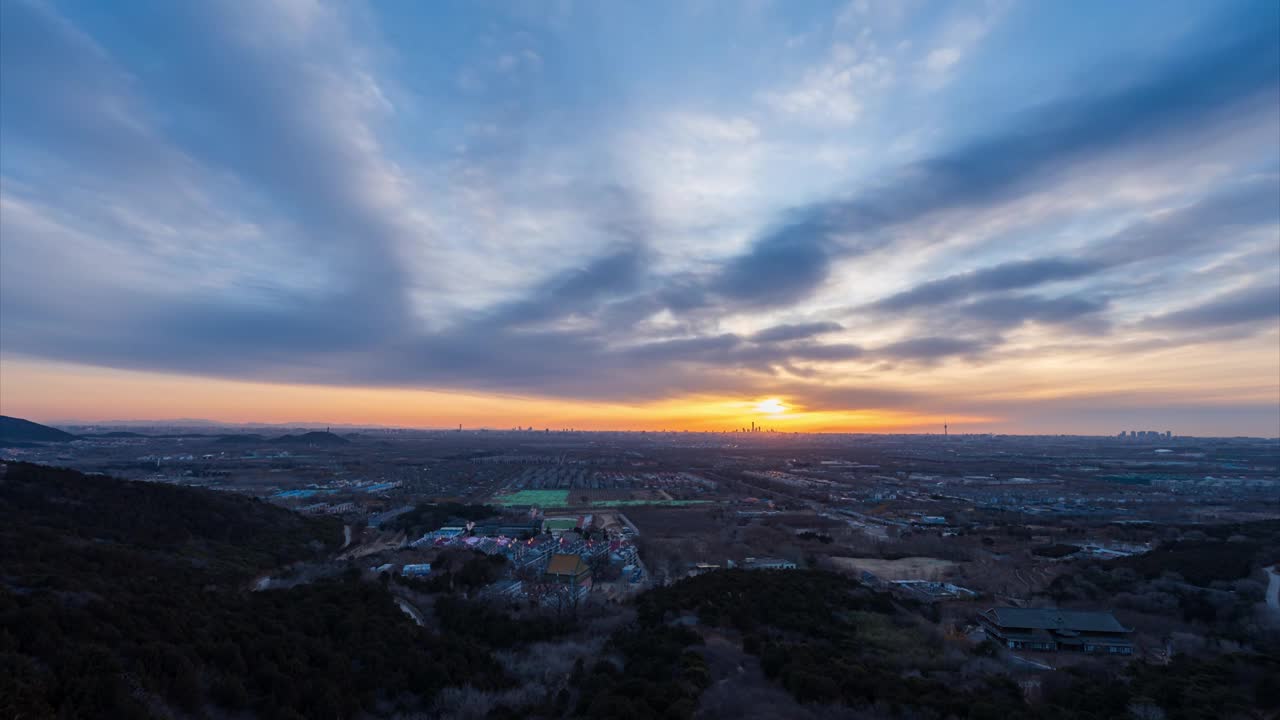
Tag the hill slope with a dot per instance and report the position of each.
(14, 429)
(129, 600)
(311, 438)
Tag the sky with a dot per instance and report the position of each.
(1008, 216)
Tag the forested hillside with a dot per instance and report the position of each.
(122, 599)
(133, 600)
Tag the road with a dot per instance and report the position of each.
(410, 610)
(1273, 590)
(1019, 660)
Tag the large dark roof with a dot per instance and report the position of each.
(1055, 619)
(564, 564)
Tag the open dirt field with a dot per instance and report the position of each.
(911, 568)
(672, 522)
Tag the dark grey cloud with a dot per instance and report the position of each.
(802, 331)
(574, 291)
(979, 301)
(935, 348)
(1005, 276)
(781, 267)
(1007, 311)
(829, 352)
(1247, 204)
(1248, 305)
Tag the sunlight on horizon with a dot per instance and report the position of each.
(772, 406)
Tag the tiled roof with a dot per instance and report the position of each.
(564, 564)
(1055, 619)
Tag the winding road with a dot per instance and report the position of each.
(410, 610)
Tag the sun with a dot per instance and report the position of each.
(772, 406)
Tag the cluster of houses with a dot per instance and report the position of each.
(751, 563)
(543, 553)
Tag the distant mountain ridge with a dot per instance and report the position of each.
(243, 438)
(116, 434)
(14, 429)
(311, 438)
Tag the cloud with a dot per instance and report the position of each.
(933, 348)
(780, 268)
(785, 333)
(1247, 203)
(1009, 311)
(1005, 276)
(1246, 305)
(269, 203)
(61, 91)
(958, 40)
(831, 93)
(1183, 98)
(980, 300)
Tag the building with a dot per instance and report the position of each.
(565, 569)
(416, 570)
(931, 591)
(515, 529)
(767, 564)
(509, 588)
(376, 521)
(1052, 629)
(699, 569)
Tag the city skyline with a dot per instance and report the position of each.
(854, 216)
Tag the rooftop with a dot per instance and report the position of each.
(564, 564)
(1055, 619)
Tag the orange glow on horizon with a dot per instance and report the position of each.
(49, 392)
(771, 406)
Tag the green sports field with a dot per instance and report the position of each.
(540, 498)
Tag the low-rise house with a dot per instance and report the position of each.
(566, 569)
(376, 521)
(1052, 629)
(526, 528)
(417, 570)
(702, 568)
(767, 564)
(509, 588)
(931, 591)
